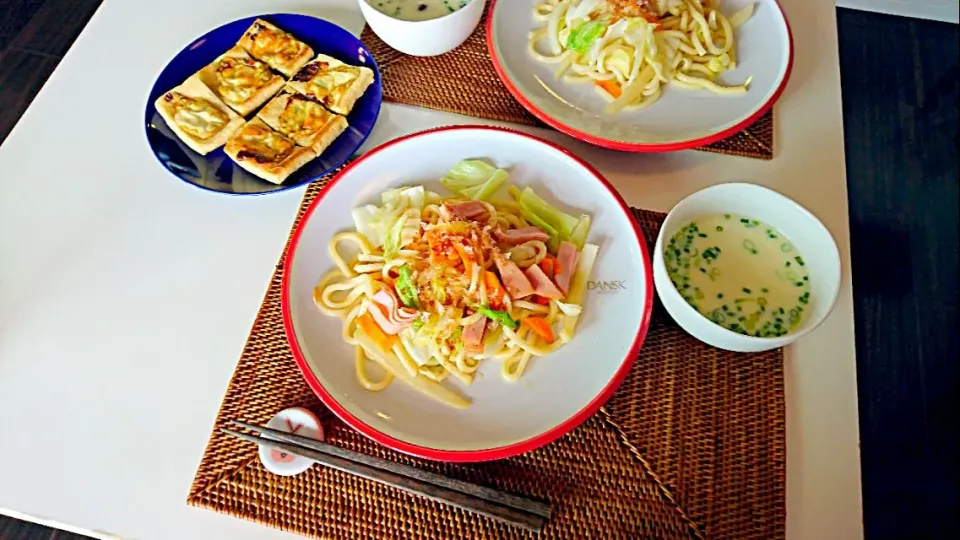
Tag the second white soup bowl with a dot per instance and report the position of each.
(802, 228)
(431, 37)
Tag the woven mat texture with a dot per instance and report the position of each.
(692, 445)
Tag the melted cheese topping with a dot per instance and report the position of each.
(241, 78)
(198, 117)
(275, 47)
(264, 145)
(330, 85)
(302, 117)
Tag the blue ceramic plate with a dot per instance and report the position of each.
(216, 171)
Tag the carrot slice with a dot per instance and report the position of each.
(466, 258)
(540, 327)
(375, 333)
(610, 87)
(495, 291)
(554, 264)
(548, 266)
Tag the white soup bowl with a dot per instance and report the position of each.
(802, 228)
(431, 37)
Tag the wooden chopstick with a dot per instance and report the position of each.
(505, 507)
(520, 503)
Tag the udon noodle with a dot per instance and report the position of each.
(430, 287)
(630, 49)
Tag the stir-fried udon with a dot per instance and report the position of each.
(630, 49)
(429, 287)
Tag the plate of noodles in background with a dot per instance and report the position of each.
(466, 293)
(643, 75)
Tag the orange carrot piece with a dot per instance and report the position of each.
(495, 290)
(374, 332)
(554, 266)
(547, 266)
(540, 327)
(466, 258)
(610, 87)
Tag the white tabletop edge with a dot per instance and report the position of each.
(132, 247)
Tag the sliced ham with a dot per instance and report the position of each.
(517, 284)
(467, 211)
(390, 316)
(473, 335)
(567, 259)
(515, 237)
(542, 285)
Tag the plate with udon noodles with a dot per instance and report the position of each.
(466, 293)
(643, 75)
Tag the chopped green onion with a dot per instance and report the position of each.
(501, 317)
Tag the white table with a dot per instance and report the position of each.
(126, 295)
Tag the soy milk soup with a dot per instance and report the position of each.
(417, 10)
(740, 273)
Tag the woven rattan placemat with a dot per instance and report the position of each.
(692, 445)
(464, 81)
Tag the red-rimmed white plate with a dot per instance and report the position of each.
(681, 119)
(557, 392)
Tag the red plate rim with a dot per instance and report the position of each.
(466, 455)
(636, 147)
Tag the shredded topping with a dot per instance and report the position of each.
(275, 47)
(240, 78)
(198, 117)
(264, 145)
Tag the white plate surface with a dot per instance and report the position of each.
(557, 392)
(680, 119)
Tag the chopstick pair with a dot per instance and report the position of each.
(512, 509)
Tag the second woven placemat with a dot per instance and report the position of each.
(464, 81)
(692, 445)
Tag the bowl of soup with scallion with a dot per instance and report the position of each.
(744, 268)
(423, 27)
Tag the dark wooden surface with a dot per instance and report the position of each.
(34, 36)
(900, 91)
(11, 529)
(900, 120)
